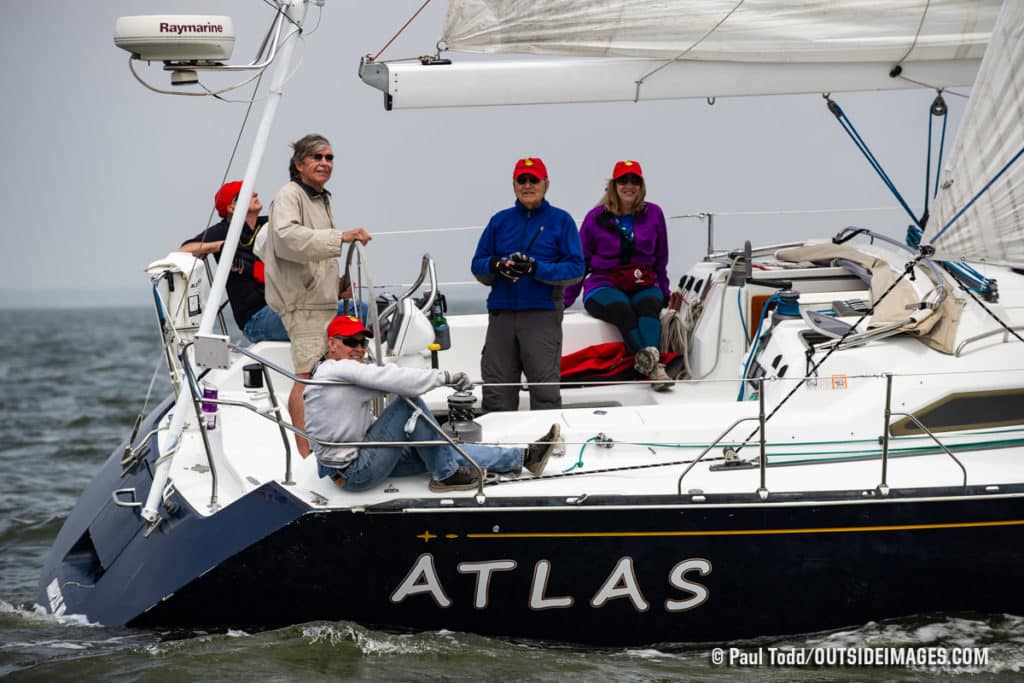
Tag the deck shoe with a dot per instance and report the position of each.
(538, 452)
(646, 359)
(662, 382)
(464, 479)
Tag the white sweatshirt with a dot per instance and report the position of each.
(342, 413)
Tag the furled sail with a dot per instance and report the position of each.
(631, 50)
(989, 150)
(788, 31)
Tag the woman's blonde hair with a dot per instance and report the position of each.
(611, 201)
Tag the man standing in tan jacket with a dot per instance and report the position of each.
(301, 258)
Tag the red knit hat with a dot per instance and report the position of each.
(625, 168)
(225, 195)
(531, 166)
(347, 326)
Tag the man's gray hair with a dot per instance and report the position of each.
(303, 147)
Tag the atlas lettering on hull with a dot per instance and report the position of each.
(621, 582)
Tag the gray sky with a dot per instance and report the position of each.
(101, 176)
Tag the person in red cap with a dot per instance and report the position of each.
(527, 255)
(301, 256)
(340, 413)
(625, 247)
(245, 284)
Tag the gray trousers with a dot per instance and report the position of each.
(519, 342)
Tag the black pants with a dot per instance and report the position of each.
(520, 342)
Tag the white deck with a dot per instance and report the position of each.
(828, 432)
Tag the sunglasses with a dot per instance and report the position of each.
(321, 157)
(353, 342)
(629, 179)
(526, 178)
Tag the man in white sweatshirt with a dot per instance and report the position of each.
(341, 413)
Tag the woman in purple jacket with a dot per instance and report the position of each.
(625, 248)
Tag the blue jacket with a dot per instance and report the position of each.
(546, 233)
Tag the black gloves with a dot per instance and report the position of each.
(522, 264)
(504, 269)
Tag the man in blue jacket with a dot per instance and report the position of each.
(527, 255)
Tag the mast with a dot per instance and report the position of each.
(296, 13)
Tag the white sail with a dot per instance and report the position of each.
(990, 137)
(784, 31)
(631, 50)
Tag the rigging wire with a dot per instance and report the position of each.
(227, 170)
(987, 310)
(644, 77)
(810, 373)
(980, 192)
(399, 32)
(937, 109)
(913, 43)
(847, 125)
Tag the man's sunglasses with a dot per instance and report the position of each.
(524, 178)
(321, 157)
(353, 342)
(629, 179)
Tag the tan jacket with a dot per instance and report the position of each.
(301, 255)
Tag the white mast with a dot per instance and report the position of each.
(296, 12)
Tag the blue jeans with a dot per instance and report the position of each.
(265, 325)
(375, 464)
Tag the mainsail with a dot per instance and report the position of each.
(631, 50)
(989, 151)
(786, 31)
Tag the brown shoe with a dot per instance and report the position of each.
(538, 452)
(464, 479)
(662, 382)
(646, 359)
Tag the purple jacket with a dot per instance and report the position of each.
(601, 247)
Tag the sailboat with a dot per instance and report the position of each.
(846, 445)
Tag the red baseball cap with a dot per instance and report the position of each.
(531, 166)
(225, 195)
(625, 168)
(347, 326)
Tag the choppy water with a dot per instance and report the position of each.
(71, 383)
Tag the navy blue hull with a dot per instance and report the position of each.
(609, 571)
(605, 577)
(103, 564)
